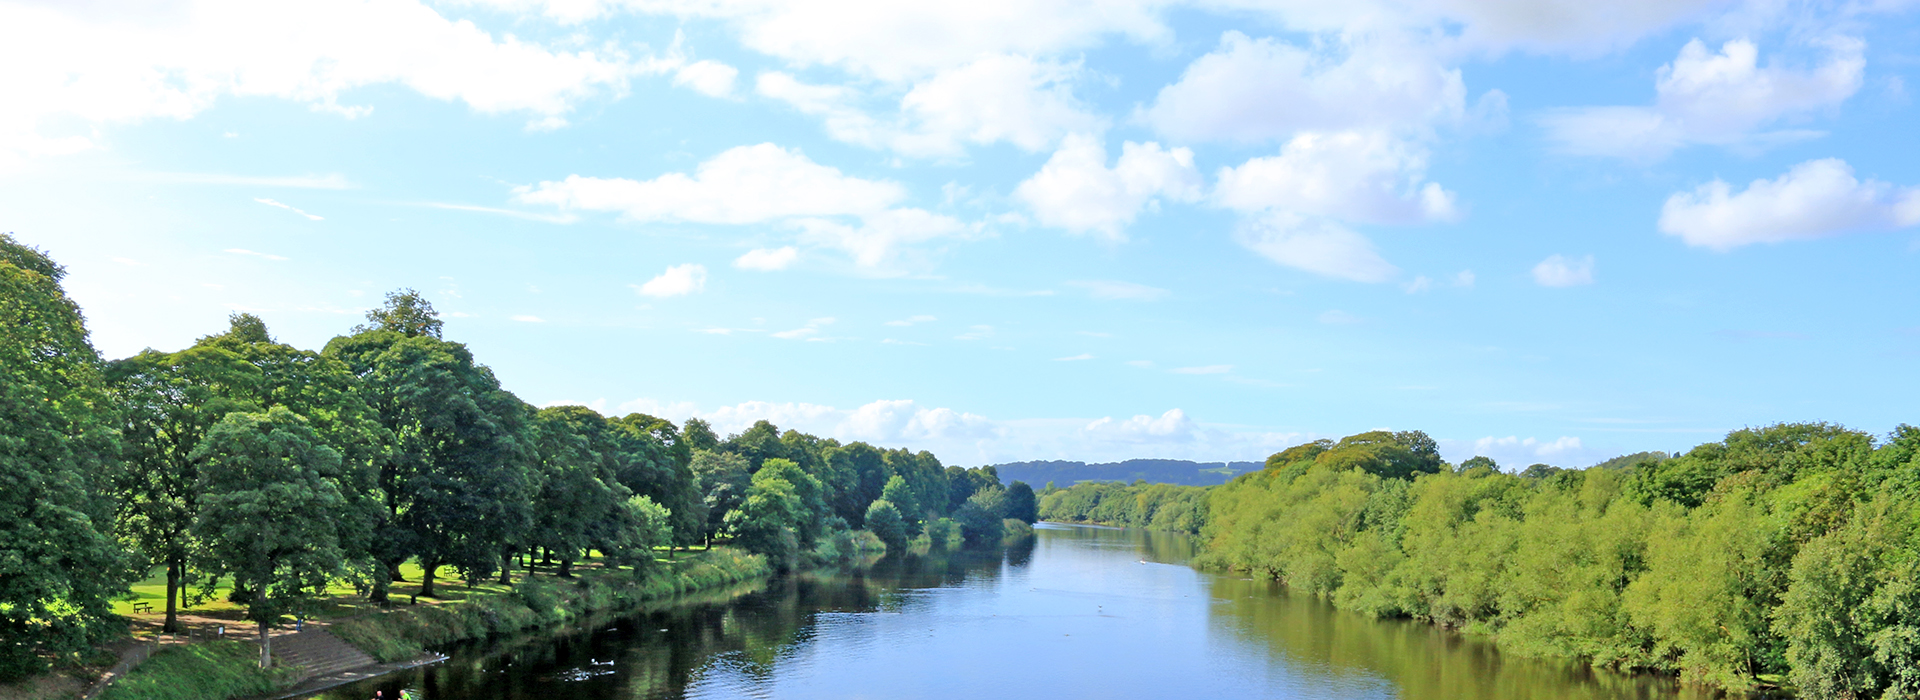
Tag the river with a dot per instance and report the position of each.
(1080, 612)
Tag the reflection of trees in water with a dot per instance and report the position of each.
(1424, 662)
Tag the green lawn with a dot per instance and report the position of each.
(344, 602)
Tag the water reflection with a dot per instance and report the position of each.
(1077, 612)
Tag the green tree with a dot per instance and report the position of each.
(724, 478)
(59, 565)
(768, 520)
(700, 435)
(1021, 504)
(902, 497)
(456, 476)
(884, 521)
(405, 312)
(270, 514)
(579, 499)
(979, 520)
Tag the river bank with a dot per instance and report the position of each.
(228, 669)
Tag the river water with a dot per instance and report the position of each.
(1080, 612)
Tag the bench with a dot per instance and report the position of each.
(143, 607)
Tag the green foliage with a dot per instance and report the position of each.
(902, 497)
(1760, 556)
(884, 521)
(406, 313)
(980, 519)
(223, 669)
(1152, 506)
(59, 565)
(723, 479)
(1022, 505)
(270, 511)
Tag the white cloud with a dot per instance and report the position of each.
(811, 331)
(1075, 189)
(1172, 426)
(1117, 290)
(1815, 199)
(1725, 99)
(1561, 271)
(1370, 177)
(1316, 245)
(1515, 453)
(529, 319)
(1075, 358)
(979, 332)
(1017, 99)
(1419, 285)
(1205, 369)
(1262, 89)
(710, 78)
(767, 259)
(243, 251)
(767, 183)
(1337, 317)
(271, 203)
(104, 68)
(1464, 279)
(678, 280)
(912, 320)
(742, 185)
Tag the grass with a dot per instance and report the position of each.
(541, 601)
(223, 669)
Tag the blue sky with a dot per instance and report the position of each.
(1543, 231)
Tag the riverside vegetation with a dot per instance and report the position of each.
(274, 477)
(1779, 556)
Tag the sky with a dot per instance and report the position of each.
(1539, 230)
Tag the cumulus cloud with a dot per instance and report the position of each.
(678, 280)
(1315, 245)
(1725, 99)
(1021, 100)
(1815, 199)
(1075, 189)
(1172, 426)
(1262, 89)
(766, 183)
(710, 78)
(98, 68)
(1515, 453)
(1117, 290)
(767, 259)
(1561, 271)
(1361, 176)
(742, 185)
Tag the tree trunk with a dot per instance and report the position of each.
(172, 625)
(506, 568)
(266, 647)
(546, 557)
(393, 570)
(566, 567)
(426, 578)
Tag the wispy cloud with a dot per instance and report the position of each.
(678, 280)
(1075, 358)
(811, 331)
(1115, 290)
(976, 333)
(330, 181)
(257, 254)
(1203, 369)
(271, 203)
(912, 320)
(562, 218)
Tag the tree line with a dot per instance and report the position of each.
(272, 472)
(1784, 555)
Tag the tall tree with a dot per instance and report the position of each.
(456, 475)
(724, 478)
(59, 564)
(1021, 504)
(271, 514)
(579, 496)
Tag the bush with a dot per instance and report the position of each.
(884, 521)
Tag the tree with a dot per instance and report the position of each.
(406, 313)
(979, 519)
(639, 526)
(1021, 504)
(883, 520)
(269, 517)
(456, 476)
(655, 461)
(1479, 462)
(59, 565)
(723, 479)
(901, 496)
(579, 499)
(768, 519)
(700, 435)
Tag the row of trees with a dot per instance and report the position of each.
(276, 471)
(1790, 552)
(1164, 507)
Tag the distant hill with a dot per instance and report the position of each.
(1159, 471)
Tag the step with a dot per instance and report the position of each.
(317, 652)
